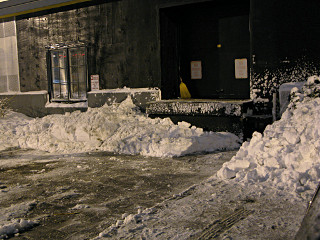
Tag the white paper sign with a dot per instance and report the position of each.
(196, 70)
(241, 68)
(94, 82)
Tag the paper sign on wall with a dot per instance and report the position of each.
(94, 82)
(241, 68)
(196, 70)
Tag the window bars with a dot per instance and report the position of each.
(67, 73)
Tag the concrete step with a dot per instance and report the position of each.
(211, 115)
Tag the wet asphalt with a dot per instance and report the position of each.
(77, 196)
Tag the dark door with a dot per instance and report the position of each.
(169, 55)
(198, 41)
(233, 54)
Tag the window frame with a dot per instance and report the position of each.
(68, 75)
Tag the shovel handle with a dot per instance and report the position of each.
(313, 197)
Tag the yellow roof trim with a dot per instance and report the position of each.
(43, 8)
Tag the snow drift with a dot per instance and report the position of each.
(120, 128)
(287, 154)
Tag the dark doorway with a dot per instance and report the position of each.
(208, 45)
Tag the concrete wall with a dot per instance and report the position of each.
(31, 104)
(140, 97)
(122, 37)
(36, 104)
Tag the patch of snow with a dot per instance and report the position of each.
(25, 93)
(16, 227)
(262, 100)
(190, 108)
(11, 222)
(80, 206)
(313, 80)
(67, 105)
(284, 93)
(16, 211)
(126, 90)
(265, 83)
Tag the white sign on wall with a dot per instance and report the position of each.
(196, 70)
(94, 82)
(241, 68)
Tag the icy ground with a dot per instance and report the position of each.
(214, 209)
(77, 196)
(260, 194)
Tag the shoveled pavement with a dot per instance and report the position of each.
(77, 196)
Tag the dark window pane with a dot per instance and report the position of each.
(82, 74)
(56, 91)
(56, 75)
(73, 57)
(82, 90)
(64, 91)
(59, 75)
(82, 56)
(74, 74)
(74, 91)
(60, 91)
(55, 59)
(77, 56)
(58, 58)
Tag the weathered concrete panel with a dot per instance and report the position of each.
(140, 97)
(31, 104)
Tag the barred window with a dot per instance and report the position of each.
(67, 70)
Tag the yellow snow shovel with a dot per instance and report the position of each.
(184, 92)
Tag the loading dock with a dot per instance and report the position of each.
(213, 35)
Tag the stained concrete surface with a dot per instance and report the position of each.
(79, 195)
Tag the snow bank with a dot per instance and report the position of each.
(287, 154)
(120, 128)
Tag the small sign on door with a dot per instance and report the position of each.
(94, 82)
(196, 70)
(241, 68)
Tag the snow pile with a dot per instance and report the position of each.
(15, 227)
(119, 128)
(287, 154)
